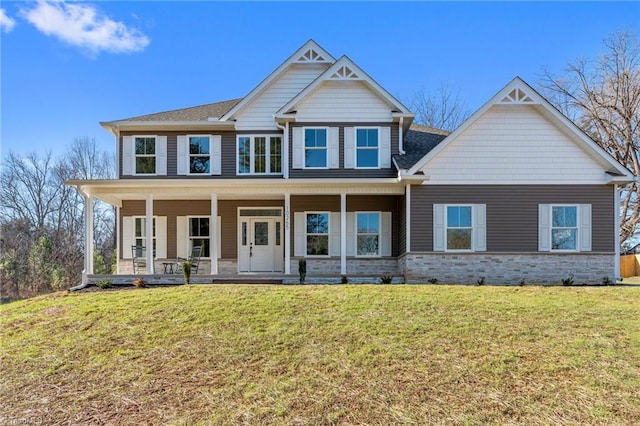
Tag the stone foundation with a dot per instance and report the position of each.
(355, 266)
(508, 268)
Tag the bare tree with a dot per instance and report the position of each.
(603, 97)
(443, 110)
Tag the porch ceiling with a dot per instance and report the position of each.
(116, 190)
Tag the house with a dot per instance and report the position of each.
(320, 162)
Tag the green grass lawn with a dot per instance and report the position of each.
(310, 355)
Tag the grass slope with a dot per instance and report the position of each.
(323, 355)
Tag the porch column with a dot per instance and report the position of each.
(213, 230)
(149, 234)
(343, 233)
(118, 253)
(88, 238)
(407, 219)
(287, 233)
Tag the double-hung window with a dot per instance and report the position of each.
(317, 234)
(459, 228)
(367, 145)
(145, 155)
(564, 227)
(259, 155)
(315, 148)
(368, 233)
(199, 155)
(140, 233)
(199, 235)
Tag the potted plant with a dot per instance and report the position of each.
(186, 271)
(302, 269)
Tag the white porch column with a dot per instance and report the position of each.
(408, 219)
(287, 232)
(149, 234)
(117, 253)
(213, 230)
(616, 232)
(88, 238)
(343, 233)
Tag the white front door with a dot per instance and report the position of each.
(260, 245)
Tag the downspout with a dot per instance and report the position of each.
(616, 227)
(400, 134)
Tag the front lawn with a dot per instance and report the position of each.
(309, 355)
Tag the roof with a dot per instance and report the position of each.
(417, 143)
(196, 113)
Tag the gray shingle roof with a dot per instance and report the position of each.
(417, 143)
(196, 113)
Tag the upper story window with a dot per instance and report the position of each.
(145, 155)
(259, 155)
(459, 228)
(564, 227)
(199, 155)
(315, 148)
(367, 148)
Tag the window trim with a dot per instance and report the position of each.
(326, 148)
(356, 148)
(446, 228)
(328, 234)
(190, 238)
(577, 228)
(379, 234)
(189, 155)
(143, 227)
(135, 155)
(252, 138)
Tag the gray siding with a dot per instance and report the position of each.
(512, 212)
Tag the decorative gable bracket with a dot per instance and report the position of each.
(344, 73)
(517, 96)
(312, 56)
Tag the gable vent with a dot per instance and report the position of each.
(517, 96)
(311, 56)
(344, 73)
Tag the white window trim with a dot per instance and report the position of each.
(328, 213)
(551, 228)
(379, 213)
(252, 154)
(144, 230)
(135, 156)
(446, 227)
(189, 155)
(190, 238)
(326, 148)
(355, 147)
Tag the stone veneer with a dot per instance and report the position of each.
(317, 266)
(508, 268)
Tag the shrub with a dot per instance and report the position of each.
(139, 282)
(302, 269)
(344, 279)
(386, 279)
(186, 271)
(522, 282)
(607, 281)
(104, 283)
(432, 281)
(568, 280)
(481, 281)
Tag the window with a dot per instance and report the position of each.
(459, 228)
(141, 233)
(368, 234)
(199, 235)
(199, 155)
(317, 234)
(315, 148)
(259, 154)
(564, 227)
(145, 155)
(367, 148)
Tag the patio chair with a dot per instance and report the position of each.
(139, 256)
(194, 258)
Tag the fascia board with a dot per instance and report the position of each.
(274, 74)
(344, 60)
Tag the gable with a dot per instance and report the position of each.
(343, 100)
(513, 142)
(258, 114)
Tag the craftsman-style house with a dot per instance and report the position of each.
(320, 162)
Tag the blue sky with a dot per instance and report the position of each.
(67, 65)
